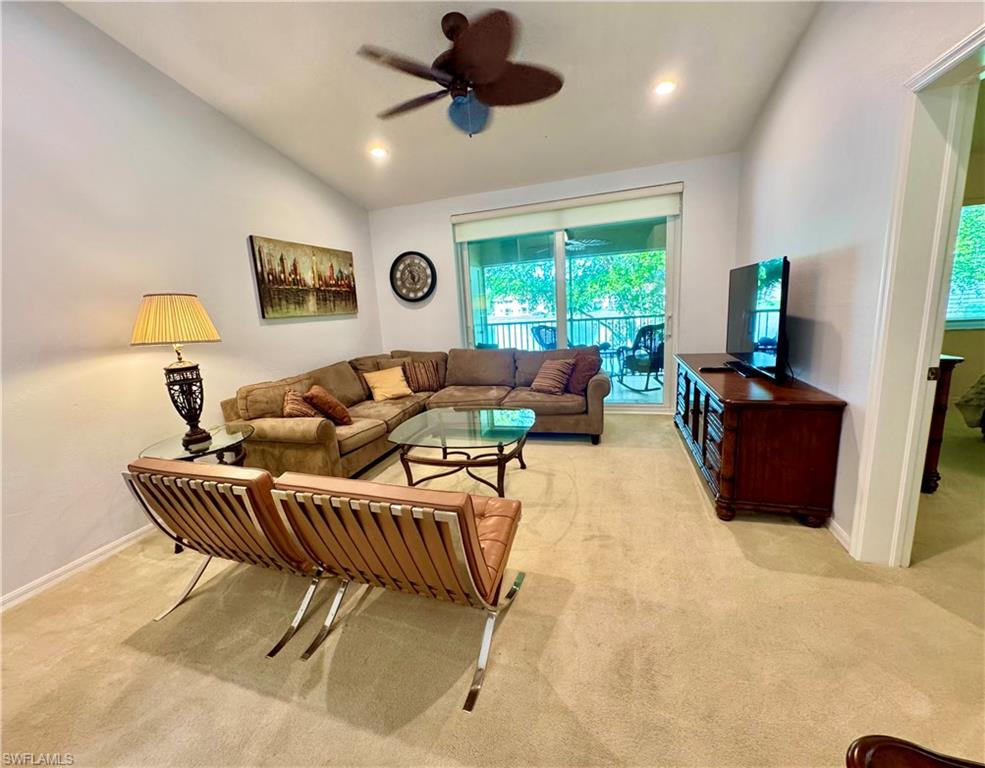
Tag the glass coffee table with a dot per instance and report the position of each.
(469, 438)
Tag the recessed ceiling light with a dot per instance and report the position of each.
(378, 152)
(664, 88)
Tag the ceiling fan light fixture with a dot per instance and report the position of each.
(665, 88)
(378, 152)
(468, 114)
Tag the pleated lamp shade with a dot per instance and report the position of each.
(172, 318)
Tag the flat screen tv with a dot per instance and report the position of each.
(757, 318)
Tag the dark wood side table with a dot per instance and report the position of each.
(226, 445)
(931, 477)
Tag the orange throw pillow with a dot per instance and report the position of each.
(328, 405)
(296, 408)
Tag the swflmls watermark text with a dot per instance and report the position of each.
(38, 758)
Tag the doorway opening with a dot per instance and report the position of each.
(930, 223)
(950, 521)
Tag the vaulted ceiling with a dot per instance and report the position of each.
(288, 73)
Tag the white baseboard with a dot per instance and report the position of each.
(839, 533)
(38, 586)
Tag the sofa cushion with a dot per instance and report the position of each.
(441, 358)
(266, 399)
(341, 380)
(359, 433)
(495, 523)
(366, 364)
(546, 405)
(529, 363)
(472, 396)
(480, 367)
(391, 412)
(393, 362)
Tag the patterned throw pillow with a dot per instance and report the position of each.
(328, 405)
(587, 364)
(295, 407)
(422, 375)
(553, 377)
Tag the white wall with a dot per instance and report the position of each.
(708, 245)
(118, 182)
(818, 180)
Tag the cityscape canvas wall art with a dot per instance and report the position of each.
(299, 280)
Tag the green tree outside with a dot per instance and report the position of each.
(967, 295)
(598, 286)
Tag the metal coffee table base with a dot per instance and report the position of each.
(499, 459)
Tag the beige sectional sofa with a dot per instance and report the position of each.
(470, 378)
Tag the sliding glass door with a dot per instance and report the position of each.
(616, 286)
(607, 281)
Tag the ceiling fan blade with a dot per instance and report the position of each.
(407, 106)
(519, 84)
(403, 64)
(443, 62)
(479, 52)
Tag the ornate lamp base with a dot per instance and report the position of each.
(184, 383)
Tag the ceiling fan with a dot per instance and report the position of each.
(475, 71)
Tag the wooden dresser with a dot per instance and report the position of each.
(942, 394)
(760, 446)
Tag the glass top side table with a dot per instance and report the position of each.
(226, 445)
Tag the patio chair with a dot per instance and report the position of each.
(644, 358)
(545, 336)
(441, 545)
(220, 511)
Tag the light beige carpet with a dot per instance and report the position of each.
(647, 633)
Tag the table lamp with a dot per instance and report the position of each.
(176, 319)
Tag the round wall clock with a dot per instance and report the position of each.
(412, 276)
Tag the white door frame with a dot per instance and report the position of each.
(913, 302)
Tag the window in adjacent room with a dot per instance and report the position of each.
(966, 300)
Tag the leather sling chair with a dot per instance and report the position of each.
(890, 752)
(436, 544)
(220, 511)
(447, 546)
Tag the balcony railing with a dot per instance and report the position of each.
(583, 331)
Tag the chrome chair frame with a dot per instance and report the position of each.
(135, 482)
(297, 506)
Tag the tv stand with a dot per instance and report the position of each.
(743, 369)
(760, 446)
